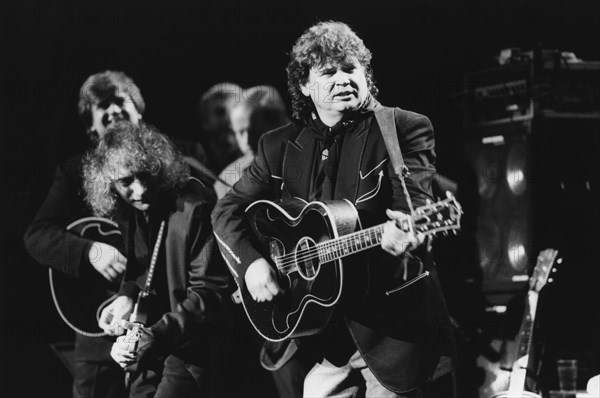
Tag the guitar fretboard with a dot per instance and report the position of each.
(350, 244)
(519, 371)
(524, 338)
(429, 219)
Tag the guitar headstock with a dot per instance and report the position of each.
(441, 216)
(543, 269)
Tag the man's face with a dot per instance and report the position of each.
(217, 115)
(337, 89)
(133, 189)
(240, 123)
(112, 109)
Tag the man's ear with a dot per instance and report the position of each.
(305, 90)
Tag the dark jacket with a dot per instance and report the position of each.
(196, 277)
(47, 239)
(402, 335)
(50, 244)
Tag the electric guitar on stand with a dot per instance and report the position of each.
(541, 273)
(305, 242)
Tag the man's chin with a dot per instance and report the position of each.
(142, 206)
(347, 106)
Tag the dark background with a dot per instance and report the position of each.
(175, 50)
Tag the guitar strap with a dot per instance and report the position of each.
(139, 313)
(387, 125)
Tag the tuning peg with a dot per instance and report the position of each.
(550, 280)
(553, 270)
(455, 232)
(449, 194)
(559, 261)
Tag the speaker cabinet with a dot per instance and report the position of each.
(538, 188)
(501, 161)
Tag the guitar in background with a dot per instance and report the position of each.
(506, 383)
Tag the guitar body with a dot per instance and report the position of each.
(306, 242)
(497, 373)
(292, 229)
(80, 300)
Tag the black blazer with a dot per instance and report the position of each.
(401, 335)
(46, 238)
(196, 277)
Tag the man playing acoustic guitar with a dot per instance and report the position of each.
(386, 336)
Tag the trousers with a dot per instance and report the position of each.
(173, 380)
(351, 380)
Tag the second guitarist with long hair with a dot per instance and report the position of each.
(137, 177)
(388, 338)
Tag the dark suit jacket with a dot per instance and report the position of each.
(46, 238)
(401, 335)
(49, 243)
(195, 273)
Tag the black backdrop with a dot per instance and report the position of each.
(175, 50)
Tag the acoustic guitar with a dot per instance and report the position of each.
(305, 243)
(79, 301)
(541, 273)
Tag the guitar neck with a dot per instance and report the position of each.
(368, 238)
(432, 218)
(524, 338)
(350, 244)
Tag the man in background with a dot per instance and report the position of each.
(104, 99)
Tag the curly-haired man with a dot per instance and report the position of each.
(137, 177)
(390, 342)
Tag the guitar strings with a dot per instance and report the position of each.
(290, 260)
(309, 252)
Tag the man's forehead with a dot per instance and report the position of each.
(117, 169)
(329, 64)
(116, 95)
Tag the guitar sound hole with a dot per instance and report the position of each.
(307, 259)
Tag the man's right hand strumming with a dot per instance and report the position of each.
(107, 260)
(261, 281)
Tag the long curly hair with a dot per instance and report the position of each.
(326, 42)
(140, 150)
